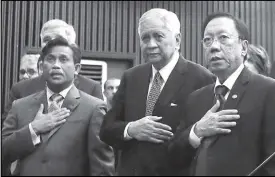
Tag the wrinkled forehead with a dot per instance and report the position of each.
(152, 24)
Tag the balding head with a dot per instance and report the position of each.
(54, 28)
(169, 19)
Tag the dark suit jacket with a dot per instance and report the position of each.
(272, 73)
(74, 148)
(249, 143)
(144, 158)
(28, 87)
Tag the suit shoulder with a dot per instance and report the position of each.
(87, 80)
(201, 91)
(137, 68)
(26, 100)
(198, 69)
(90, 99)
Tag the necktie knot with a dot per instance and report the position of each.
(158, 78)
(221, 90)
(56, 97)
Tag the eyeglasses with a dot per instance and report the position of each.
(30, 72)
(223, 39)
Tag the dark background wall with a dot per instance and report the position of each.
(107, 30)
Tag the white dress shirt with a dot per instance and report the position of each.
(165, 73)
(36, 138)
(194, 140)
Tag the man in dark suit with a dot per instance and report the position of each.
(236, 134)
(56, 131)
(149, 100)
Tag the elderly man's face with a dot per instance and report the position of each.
(59, 67)
(157, 42)
(52, 33)
(28, 68)
(227, 57)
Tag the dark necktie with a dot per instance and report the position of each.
(202, 159)
(153, 94)
(55, 98)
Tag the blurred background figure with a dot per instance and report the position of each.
(272, 73)
(258, 60)
(110, 88)
(28, 66)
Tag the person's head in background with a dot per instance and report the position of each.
(110, 88)
(56, 28)
(258, 60)
(28, 66)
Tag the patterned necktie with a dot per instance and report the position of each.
(55, 98)
(153, 94)
(202, 159)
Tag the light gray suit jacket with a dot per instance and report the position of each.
(73, 148)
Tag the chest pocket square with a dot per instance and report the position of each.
(173, 105)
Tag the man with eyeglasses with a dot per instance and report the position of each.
(229, 126)
(28, 67)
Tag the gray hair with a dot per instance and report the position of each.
(169, 18)
(56, 23)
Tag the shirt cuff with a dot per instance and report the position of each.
(125, 134)
(35, 138)
(194, 140)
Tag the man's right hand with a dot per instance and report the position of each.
(148, 129)
(43, 123)
(214, 122)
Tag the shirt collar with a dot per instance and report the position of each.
(63, 92)
(230, 81)
(167, 69)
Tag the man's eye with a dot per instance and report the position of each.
(224, 37)
(207, 39)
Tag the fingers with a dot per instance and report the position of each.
(62, 112)
(215, 107)
(161, 126)
(60, 122)
(154, 118)
(226, 124)
(228, 117)
(58, 111)
(227, 112)
(161, 136)
(61, 117)
(163, 132)
(41, 108)
(222, 131)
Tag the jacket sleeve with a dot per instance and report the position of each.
(13, 95)
(16, 143)
(101, 155)
(112, 129)
(269, 133)
(97, 91)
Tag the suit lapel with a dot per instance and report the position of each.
(142, 84)
(41, 98)
(175, 81)
(71, 101)
(238, 90)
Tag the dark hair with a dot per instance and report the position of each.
(60, 41)
(240, 25)
(258, 56)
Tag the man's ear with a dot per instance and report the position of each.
(40, 67)
(178, 40)
(77, 68)
(244, 47)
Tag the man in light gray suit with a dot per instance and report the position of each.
(56, 131)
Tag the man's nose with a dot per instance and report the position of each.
(152, 43)
(57, 64)
(26, 76)
(215, 46)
